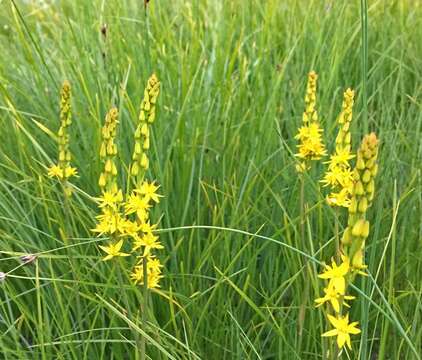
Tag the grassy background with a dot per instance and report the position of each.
(233, 78)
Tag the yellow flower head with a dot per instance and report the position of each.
(336, 274)
(342, 330)
(339, 174)
(57, 171)
(334, 297)
(139, 205)
(149, 191)
(113, 250)
(110, 222)
(153, 272)
(110, 199)
(148, 241)
(311, 146)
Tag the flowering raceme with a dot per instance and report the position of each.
(111, 220)
(63, 170)
(339, 174)
(353, 240)
(310, 145)
(144, 194)
(361, 194)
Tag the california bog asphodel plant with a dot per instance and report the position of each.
(128, 218)
(340, 276)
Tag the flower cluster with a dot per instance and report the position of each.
(335, 294)
(63, 170)
(128, 218)
(353, 240)
(339, 173)
(310, 145)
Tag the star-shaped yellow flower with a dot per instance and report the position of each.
(113, 250)
(110, 199)
(139, 205)
(149, 191)
(342, 330)
(57, 171)
(336, 274)
(148, 241)
(334, 297)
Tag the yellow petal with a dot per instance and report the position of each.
(333, 332)
(342, 338)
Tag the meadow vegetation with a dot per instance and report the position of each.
(189, 116)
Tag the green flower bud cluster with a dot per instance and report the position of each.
(65, 121)
(108, 152)
(142, 134)
(311, 114)
(357, 231)
(343, 140)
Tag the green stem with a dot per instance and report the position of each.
(144, 306)
(364, 27)
(337, 234)
(302, 309)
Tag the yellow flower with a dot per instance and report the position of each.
(336, 274)
(153, 271)
(113, 250)
(341, 198)
(334, 297)
(110, 199)
(130, 228)
(147, 228)
(139, 205)
(339, 175)
(110, 222)
(149, 241)
(57, 171)
(340, 157)
(149, 191)
(310, 145)
(342, 330)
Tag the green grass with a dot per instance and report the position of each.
(233, 79)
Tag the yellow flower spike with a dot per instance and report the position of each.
(63, 170)
(342, 329)
(310, 145)
(339, 175)
(113, 250)
(362, 195)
